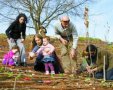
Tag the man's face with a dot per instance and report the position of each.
(65, 24)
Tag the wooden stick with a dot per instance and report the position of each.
(17, 82)
(14, 87)
(104, 75)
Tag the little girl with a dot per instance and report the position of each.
(47, 50)
(84, 65)
(9, 57)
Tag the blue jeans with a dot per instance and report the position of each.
(109, 75)
(98, 75)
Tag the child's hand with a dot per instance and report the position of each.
(50, 52)
(88, 68)
(46, 50)
(14, 57)
(22, 40)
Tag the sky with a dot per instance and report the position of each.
(100, 22)
(101, 25)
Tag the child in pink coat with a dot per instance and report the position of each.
(9, 57)
(47, 50)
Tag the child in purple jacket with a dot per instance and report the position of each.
(9, 57)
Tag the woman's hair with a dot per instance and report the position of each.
(43, 28)
(21, 15)
(91, 48)
(42, 31)
(38, 36)
(15, 47)
(34, 42)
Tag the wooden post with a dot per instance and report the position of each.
(86, 22)
(104, 70)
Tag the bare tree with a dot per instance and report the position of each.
(41, 12)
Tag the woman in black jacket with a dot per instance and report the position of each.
(16, 34)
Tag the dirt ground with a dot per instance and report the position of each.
(22, 78)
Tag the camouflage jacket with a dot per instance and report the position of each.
(100, 60)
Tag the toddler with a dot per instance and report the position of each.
(9, 57)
